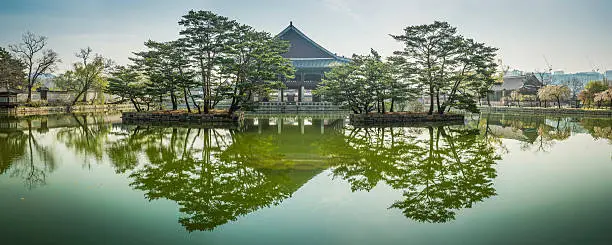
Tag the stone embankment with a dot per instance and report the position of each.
(48, 110)
(403, 119)
(547, 111)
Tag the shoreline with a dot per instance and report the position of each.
(546, 111)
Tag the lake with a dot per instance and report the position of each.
(282, 179)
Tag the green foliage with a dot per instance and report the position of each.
(415, 106)
(253, 65)
(128, 84)
(227, 60)
(208, 37)
(364, 84)
(12, 73)
(86, 75)
(445, 63)
(588, 94)
(167, 68)
(38, 103)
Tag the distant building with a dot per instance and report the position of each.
(583, 77)
(514, 73)
(526, 84)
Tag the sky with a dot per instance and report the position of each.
(573, 35)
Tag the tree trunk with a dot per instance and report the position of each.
(194, 102)
(186, 100)
(440, 109)
(558, 102)
(29, 94)
(392, 104)
(77, 98)
(431, 100)
(135, 105)
(174, 101)
(84, 93)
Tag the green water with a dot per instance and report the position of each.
(499, 179)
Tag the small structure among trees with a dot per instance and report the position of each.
(516, 88)
(8, 97)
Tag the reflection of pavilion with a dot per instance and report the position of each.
(303, 125)
(297, 139)
(310, 60)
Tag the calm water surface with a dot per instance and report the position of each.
(499, 179)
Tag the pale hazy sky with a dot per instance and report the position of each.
(574, 35)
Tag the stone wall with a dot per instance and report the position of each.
(546, 111)
(173, 117)
(403, 119)
(62, 97)
(45, 110)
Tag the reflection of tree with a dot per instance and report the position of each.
(447, 170)
(25, 157)
(535, 133)
(214, 175)
(599, 128)
(88, 138)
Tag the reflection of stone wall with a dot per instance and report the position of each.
(402, 119)
(164, 117)
(283, 107)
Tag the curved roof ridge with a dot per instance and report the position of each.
(292, 27)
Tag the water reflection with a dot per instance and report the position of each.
(442, 171)
(217, 175)
(21, 155)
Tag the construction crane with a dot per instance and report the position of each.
(549, 69)
(594, 67)
(547, 64)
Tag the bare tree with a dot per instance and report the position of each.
(575, 87)
(38, 60)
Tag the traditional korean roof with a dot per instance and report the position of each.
(316, 63)
(510, 83)
(4, 91)
(306, 53)
(527, 84)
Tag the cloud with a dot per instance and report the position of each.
(341, 6)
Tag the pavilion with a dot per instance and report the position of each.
(8, 97)
(310, 60)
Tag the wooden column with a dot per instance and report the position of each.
(300, 87)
